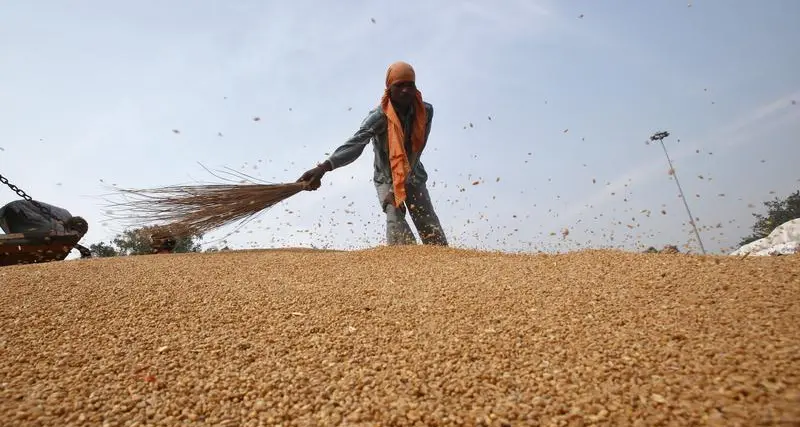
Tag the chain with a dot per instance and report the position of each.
(45, 210)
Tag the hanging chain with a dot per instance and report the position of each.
(45, 210)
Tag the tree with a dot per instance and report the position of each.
(778, 212)
(138, 242)
(103, 250)
(133, 242)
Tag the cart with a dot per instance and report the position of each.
(36, 246)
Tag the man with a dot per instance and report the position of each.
(162, 240)
(398, 129)
(22, 216)
(164, 245)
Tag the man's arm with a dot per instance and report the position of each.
(429, 111)
(352, 148)
(429, 122)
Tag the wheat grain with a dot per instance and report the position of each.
(401, 336)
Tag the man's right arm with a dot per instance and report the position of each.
(352, 148)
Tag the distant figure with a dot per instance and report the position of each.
(163, 239)
(22, 216)
(163, 245)
(670, 249)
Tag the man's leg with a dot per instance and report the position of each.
(423, 215)
(397, 230)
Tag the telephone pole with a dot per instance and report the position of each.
(659, 136)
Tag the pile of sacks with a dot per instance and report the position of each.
(784, 240)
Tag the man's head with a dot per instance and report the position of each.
(401, 83)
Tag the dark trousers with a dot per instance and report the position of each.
(419, 206)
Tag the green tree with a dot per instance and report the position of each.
(778, 212)
(132, 242)
(188, 244)
(103, 250)
(138, 242)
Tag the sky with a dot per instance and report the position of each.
(543, 111)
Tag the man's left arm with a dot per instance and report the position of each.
(429, 123)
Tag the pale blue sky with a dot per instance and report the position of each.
(92, 90)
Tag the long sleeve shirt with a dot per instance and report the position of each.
(374, 129)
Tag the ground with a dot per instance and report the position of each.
(401, 336)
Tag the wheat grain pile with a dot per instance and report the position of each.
(401, 336)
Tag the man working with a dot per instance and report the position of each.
(23, 216)
(399, 129)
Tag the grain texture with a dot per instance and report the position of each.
(401, 336)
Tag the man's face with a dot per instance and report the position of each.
(402, 93)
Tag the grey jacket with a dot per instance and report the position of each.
(374, 129)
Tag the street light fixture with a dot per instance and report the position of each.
(659, 136)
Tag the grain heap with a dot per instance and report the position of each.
(401, 336)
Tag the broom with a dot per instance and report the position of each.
(190, 210)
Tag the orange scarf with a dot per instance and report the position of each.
(398, 158)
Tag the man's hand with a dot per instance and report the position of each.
(314, 176)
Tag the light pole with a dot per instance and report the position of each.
(659, 136)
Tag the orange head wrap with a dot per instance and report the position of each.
(398, 158)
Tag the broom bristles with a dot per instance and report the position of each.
(186, 210)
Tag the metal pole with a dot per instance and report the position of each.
(660, 138)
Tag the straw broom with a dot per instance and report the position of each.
(190, 210)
